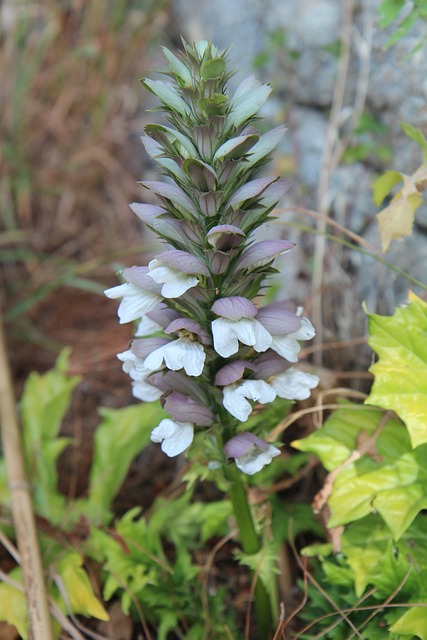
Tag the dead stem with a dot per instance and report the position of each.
(22, 508)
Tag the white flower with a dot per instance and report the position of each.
(134, 366)
(147, 327)
(250, 453)
(175, 283)
(256, 459)
(177, 354)
(145, 391)
(293, 384)
(175, 437)
(135, 303)
(235, 397)
(288, 346)
(227, 333)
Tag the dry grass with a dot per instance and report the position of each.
(71, 112)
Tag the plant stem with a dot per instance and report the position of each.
(22, 508)
(251, 544)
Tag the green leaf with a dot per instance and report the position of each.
(416, 135)
(80, 596)
(383, 185)
(213, 69)
(120, 437)
(400, 382)
(413, 622)
(44, 403)
(399, 506)
(13, 606)
(389, 10)
(355, 493)
(337, 438)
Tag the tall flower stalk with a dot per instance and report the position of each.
(205, 344)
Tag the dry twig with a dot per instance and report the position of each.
(22, 508)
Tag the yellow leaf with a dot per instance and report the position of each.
(13, 608)
(396, 220)
(81, 598)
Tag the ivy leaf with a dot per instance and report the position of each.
(413, 622)
(400, 382)
(81, 598)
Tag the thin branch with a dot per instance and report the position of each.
(22, 508)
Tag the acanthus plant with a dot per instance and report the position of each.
(203, 346)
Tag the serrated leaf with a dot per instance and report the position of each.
(80, 596)
(413, 622)
(400, 382)
(383, 185)
(120, 437)
(45, 401)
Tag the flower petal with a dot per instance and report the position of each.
(234, 308)
(262, 253)
(175, 437)
(145, 391)
(135, 303)
(235, 397)
(177, 354)
(251, 453)
(294, 384)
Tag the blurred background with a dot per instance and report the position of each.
(72, 111)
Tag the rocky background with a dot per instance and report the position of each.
(311, 51)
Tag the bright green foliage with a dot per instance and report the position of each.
(138, 569)
(391, 11)
(80, 597)
(390, 478)
(401, 372)
(13, 604)
(45, 401)
(135, 563)
(124, 431)
(377, 487)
